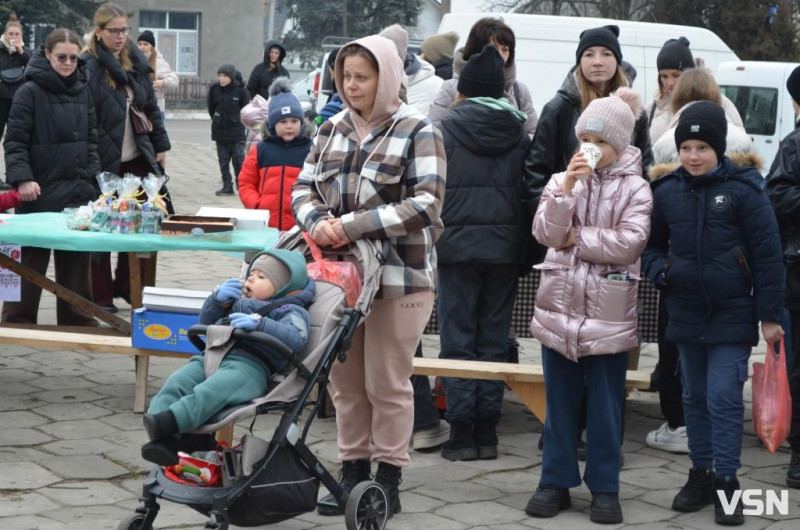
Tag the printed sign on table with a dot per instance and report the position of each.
(9, 281)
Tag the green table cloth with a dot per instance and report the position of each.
(49, 230)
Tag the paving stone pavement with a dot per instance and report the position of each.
(69, 441)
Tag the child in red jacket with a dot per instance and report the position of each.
(272, 166)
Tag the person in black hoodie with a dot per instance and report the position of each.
(51, 159)
(226, 98)
(264, 73)
(783, 189)
(482, 243)
(130, 133)
(13, 58)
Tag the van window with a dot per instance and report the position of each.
(758, 107)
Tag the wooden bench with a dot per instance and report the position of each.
(526, 380)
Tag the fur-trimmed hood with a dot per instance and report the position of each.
(740, 158)
(308, 130)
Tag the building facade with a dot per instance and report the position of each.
(197, 36)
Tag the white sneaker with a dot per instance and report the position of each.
(665, 439)
(433, 437)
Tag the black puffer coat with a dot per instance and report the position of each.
(555, 141)
(8, 61)
(111, 106)
(262, 77)
(51, 138)
(483, 211)
(224, 104)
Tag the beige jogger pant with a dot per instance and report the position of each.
(373, 395)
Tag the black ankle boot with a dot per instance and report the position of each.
(486, 438)
(160, 425)
(388, 476)
(163, 452)
(605, 508)
(697, 492)
(727, 485)
(548, 501)
(225, 190)
(793, 473)
(461, 445)
(351, 474)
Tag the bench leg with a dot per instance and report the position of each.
(533, 395)
(140, 389)
(226, 435)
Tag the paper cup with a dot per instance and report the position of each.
(592, 154)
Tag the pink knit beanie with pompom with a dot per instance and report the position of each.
(611, 118)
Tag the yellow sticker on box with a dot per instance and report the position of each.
(157, 332)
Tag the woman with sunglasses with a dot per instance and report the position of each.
(130, 133)
(51, 159)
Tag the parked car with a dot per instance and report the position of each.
(305, 88)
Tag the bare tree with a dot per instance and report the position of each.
(618, 9)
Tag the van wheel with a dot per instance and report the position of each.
(367, 507)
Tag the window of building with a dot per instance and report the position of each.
(176, 37)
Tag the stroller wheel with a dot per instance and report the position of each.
(134, 521)
(366, 507)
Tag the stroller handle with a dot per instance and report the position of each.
(194, 333)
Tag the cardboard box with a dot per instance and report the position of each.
(159, 330)
(174, 300)
(245, 219)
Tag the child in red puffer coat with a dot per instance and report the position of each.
(272, 166)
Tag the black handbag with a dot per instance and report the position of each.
(12, 75)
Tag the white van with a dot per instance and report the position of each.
(758, 89)
(546, 45)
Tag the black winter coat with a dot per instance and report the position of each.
(262, 77)
(111, 106)
(555, 141)
(783, 189)
(483, 211)
(8, 61)
(224, 104)
(51, 139)
(714, 241)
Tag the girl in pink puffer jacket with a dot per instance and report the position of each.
(596, 223)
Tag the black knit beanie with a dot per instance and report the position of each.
(147, 36)
(227, 69)
(704, 120)
(675, 55)
(793, 84)
(604, 36)
(482, 75)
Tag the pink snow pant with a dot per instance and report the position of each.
(373, 395)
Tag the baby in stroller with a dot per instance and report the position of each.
(273, 300)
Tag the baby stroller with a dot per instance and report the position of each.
(284, 482)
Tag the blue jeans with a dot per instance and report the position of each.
(193, 398)
(604, 376)
(713, 378)
(474, 308)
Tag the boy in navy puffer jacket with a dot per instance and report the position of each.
(277, 278)
(715, 252)
(225, 100)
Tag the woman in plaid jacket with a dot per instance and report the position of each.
(377, 171)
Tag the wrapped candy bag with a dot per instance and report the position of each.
(101, 208)
(154, 210)
(126, 210)
(79, 218)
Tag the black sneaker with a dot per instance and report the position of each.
(793, 473)
(697, 492)
(548, 501)
(605, 508)
(727, 485)
(224, 191)
(163, 452)
(111, 308)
